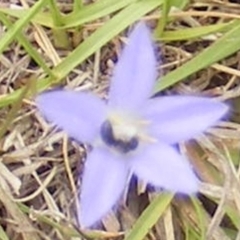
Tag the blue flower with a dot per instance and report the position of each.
(131, 133)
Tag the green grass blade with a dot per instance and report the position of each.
(164, 17)
(18, 26)
(87, 13)
(149, 217)
(100, 37)
(222, 48)
(197, 205)
(3, 235)
(94, 11)
(27, 46)
(233, 215)
(104, 34)
(44, 19)
(167, 5)
(77, 5)
(196, 32)
(180, 4)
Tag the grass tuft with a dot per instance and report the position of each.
(74, 44)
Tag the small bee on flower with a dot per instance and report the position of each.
(131, 133)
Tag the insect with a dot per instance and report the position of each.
(123, 144)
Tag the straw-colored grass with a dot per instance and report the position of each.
(47, 44)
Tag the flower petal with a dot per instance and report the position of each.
(135, 72)
(180, 118)
(162, 166)
(104, 179)
(78, 113)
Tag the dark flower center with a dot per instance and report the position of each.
(108, 137)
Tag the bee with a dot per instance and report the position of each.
(122, 143)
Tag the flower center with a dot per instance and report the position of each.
(120, 137)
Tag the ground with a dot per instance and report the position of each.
(197, 44)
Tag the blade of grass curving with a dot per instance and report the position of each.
(222, 48)
(100, 37)
(27, 46)
(85, 14)
(94, 11)
(149, 217)
(104, 34)
(196, 32)
(41, 18)
(10, 35)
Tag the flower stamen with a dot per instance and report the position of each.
(110, 139)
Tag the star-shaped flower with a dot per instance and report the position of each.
(131, 133)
